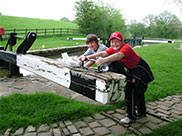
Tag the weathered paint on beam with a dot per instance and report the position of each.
(105, 87)
(45, 67)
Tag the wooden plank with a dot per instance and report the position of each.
(45, 67)
(104, 87)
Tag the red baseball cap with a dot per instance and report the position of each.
(116, 35)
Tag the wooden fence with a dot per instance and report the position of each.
(45, 31)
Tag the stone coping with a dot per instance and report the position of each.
(58, 50)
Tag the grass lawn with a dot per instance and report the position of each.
(22, 110)
(165, 62)
(171, 129)
(11, 22)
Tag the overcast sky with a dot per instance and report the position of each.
(56, 9)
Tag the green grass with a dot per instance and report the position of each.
(171, 129)
(11, 22)
(21, 110)
(56, 41)
(165, 62)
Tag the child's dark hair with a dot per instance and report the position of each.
(91, 38)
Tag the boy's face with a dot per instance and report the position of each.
(92, 45)
(116, 44)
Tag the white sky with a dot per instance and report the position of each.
(56, 9)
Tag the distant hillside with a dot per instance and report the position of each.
(10, 22)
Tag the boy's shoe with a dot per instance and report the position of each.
(126, 120)
(140, 114)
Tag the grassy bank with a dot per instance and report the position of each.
(11, 22)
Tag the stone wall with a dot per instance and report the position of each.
(58, 50)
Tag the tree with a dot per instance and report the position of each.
(85, 10)
(149, 22)
(137, 29)
(97, 18)
(167, 25)
(113, 20)
(65, 19)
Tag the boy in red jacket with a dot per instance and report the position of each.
(138, 74)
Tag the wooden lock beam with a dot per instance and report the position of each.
(106, 87)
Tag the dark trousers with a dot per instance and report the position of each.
(137, 80)
(116, 67)
(135, 98)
